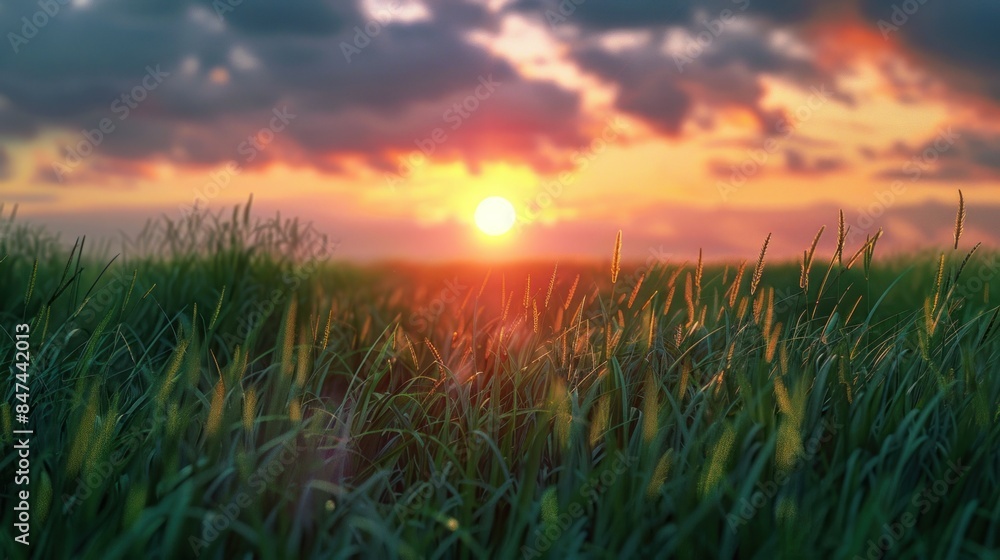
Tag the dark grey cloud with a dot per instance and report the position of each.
(664, 89)
(607, 15)
(648, 84)
(5, 170)
(798, 163)
(956, 39)
(727, 47)
(598, 15)
(519, 117)
(962, 154)
(362, 84)
(463, 14)
(297, 17)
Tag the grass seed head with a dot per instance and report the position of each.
(249, 408)
(841, 238)
(960, 218)
(758, 270)
(616, 259)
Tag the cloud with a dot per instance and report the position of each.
(636, 14)
(367, 85)
(955, 39)
(5, 171)
(952, 43)
(667, 88)
(298, 17)
(963, 154)
(798, 163)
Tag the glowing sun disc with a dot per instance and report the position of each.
(495, 215)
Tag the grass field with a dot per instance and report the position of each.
(227, 388)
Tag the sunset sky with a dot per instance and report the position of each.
(686, 124)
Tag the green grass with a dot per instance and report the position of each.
(228, 385)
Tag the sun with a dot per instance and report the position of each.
(495, 215)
